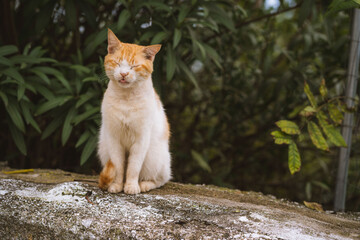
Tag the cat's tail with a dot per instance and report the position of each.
(107, 175)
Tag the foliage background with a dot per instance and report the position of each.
(226, 73)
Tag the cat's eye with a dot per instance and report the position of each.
(134, 66)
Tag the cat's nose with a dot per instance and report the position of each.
(124, 74)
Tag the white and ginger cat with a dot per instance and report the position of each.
(134, 135)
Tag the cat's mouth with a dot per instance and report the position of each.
(123, 81)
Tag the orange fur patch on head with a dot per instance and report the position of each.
(134, 54)
(107, 175)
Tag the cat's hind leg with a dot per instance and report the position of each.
(156, 170)
(146, 186)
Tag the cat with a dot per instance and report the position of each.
(134, 136)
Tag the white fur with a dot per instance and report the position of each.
(133, 127)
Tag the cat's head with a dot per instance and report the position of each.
(127, 63)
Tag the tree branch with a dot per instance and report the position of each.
(241, 24)
(268, 15)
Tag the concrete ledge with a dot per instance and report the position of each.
(34, 206)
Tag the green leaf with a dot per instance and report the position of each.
(36, 52)
(54, 125)
(57, 74)
(82, 138)
(335, 113)
(79, 118)
(170, 63)
(64, 82)
(7, 50)
(210, 23)
(80, 68)
(18, 138)
(316, 136)
(25, 107)
(90, 79)
(308, 111)
(67, 126)
(5, 61)
(323, 90)
(4, 98)
(94, 130)
(211, 52)
(200, 160)
(310, 95)
(41, 75)
(330, 131)
(84, 98)
(184, 10)
(340, 5)
(159, 37)
(288, 127)
(281, 138)
(44, 92)
(20, 59)
(30, 86)
(201, 49)
(14, 113)
(187, 72)
(89, 148)
(294, 160)
(51, 104)
(222, 17)
(21, 91)
(158, 6)
(147, 35)
(94, 42)
(14, 73)
(123, 18)
(305, 10)
(177, 37)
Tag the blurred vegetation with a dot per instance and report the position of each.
(226, 73)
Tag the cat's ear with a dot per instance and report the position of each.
(151, 51)
(113, 42)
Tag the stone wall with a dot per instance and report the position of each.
(53, 204)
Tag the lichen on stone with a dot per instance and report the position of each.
(176, 211)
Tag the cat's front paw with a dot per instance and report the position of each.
(132, 188)
(115, 187)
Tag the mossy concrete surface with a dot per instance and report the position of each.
(53, 204)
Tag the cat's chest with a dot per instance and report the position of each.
(131, 113)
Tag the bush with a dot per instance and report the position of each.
(50, 96)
